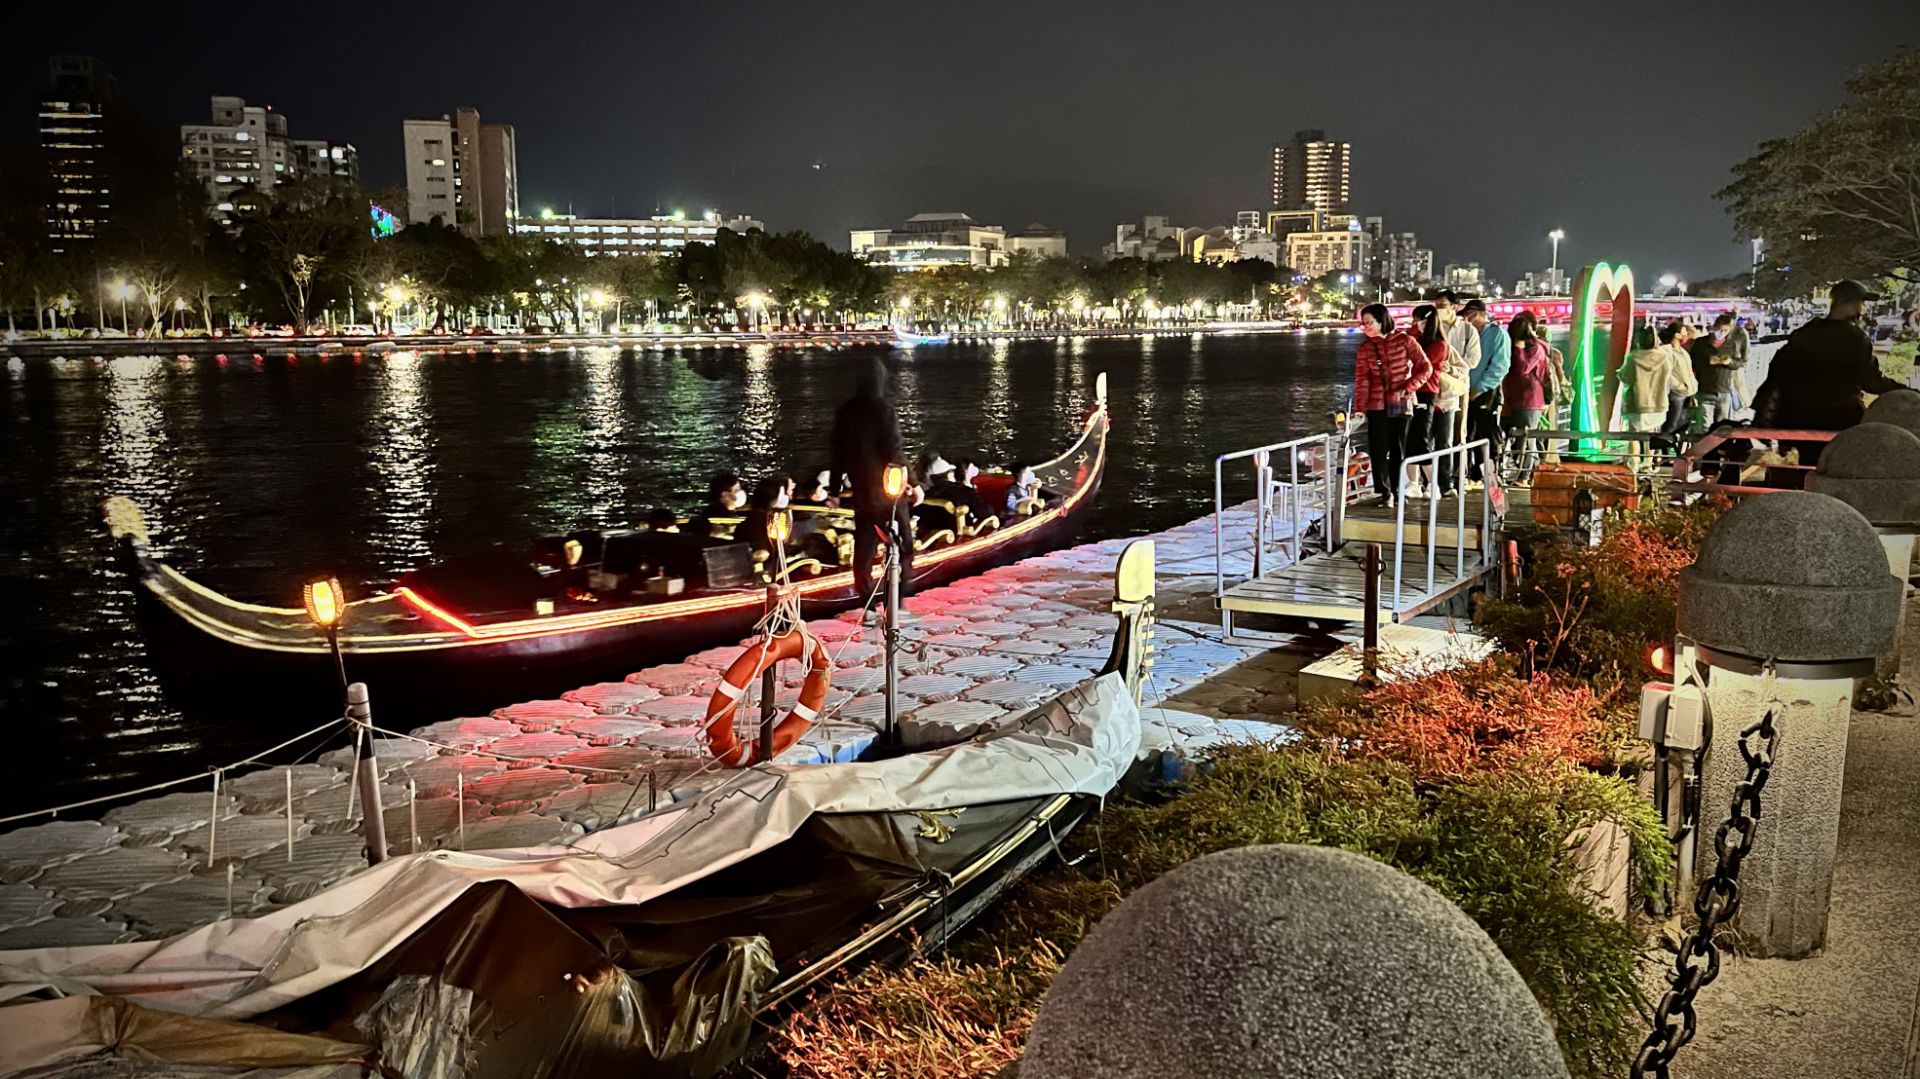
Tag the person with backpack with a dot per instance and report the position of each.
(1387, 369)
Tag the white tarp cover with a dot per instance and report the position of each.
(246, 966)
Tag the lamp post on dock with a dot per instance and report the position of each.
(326, 605)
(894, 484)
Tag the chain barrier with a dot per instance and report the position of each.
(1697, 963)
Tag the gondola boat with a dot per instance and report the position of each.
(478, 622)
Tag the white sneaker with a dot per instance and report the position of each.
(1415, 490)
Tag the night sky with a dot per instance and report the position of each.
(1481, 127)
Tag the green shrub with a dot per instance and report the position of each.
(1495, 844)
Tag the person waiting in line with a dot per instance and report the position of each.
(1483, 408)
(1463, 351)
(1676, 338)
(1650, 375)
(1525, 389)
(726, 497)
(1439, 397)
(1386, 368)
(866, 441)
(1711, 355)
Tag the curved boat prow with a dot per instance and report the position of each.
(124, 520)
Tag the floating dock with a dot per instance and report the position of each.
(546, 772)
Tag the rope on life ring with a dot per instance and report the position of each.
(721, 739)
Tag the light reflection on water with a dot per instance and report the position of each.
(255, 474)
(400, 446)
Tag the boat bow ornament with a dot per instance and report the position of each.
(1596, 285)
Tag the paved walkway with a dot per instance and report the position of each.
(546, 772)
(1851, 1010)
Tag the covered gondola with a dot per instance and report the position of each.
(576, 604)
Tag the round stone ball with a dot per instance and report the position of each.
(1291, 962)
(1875, 468)
(1793, 575)
(1898, 407)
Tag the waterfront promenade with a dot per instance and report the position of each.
(545, 772)
(25, 347)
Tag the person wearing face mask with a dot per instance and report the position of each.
(1496, 355)
(955, 485)
(1712, 357)
(818, 493)
(1463, 353)
(770, 496)
(1026, 486)
(725, 498)
(1387, 369)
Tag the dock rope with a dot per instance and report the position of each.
(197, 777)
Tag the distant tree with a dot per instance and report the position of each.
(1840, 197)
(308, 235)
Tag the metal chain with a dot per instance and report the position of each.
(1698, 962)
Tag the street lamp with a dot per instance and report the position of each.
(120, 291)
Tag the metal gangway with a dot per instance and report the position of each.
(1445, 549)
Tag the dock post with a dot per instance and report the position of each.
(366, 768)
(890, 733)
(1370, 620)
(765, 750)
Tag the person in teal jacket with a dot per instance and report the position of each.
(1496, 355)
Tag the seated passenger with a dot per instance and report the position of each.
(725, 498)
(772, 495)
(955, 485)
(1026, 485)
(819, 492)
(661, 519)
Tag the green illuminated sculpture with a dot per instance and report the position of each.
(1596, 377)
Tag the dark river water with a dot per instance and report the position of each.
(256, 472)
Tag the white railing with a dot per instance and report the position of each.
(1264, 474)
(1463, 454)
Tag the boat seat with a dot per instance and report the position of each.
(986, 525)
(938, 535)
(723, 527)
(1029, 506)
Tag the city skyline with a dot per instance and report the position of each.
(784, 123)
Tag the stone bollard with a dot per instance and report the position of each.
(1875, 468)
(1788, 603)
(1288, 961)
(1900, 408)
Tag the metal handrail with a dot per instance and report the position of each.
(1433, 514)
(1685, 464)
(1263, 477)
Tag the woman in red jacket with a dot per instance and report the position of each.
(1386, 371)
(1525, 387)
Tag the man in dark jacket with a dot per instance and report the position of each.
(1817, 377)
(866, 439)
(1712, 355)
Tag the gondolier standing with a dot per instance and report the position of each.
(866, 439)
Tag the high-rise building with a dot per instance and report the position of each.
(73, 138)
(1312, 173)
(1317, 253)
(244, 151)
(462, 172)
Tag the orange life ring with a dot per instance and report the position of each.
(722, 741)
